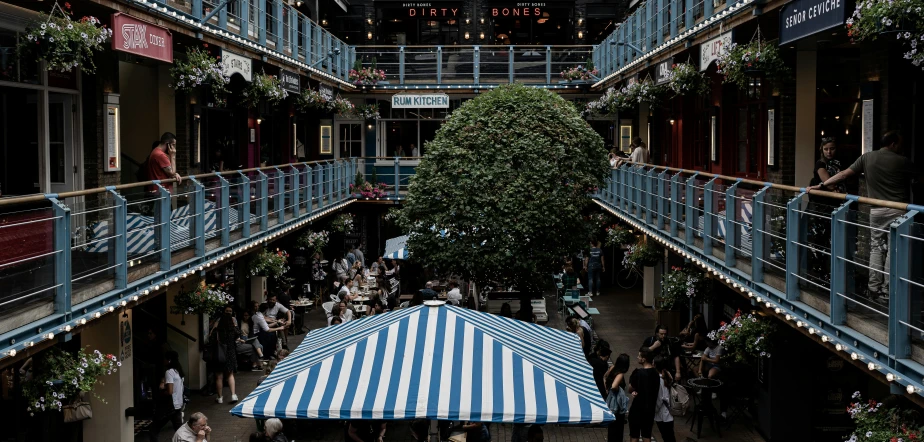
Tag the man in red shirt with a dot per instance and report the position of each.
(160, 164)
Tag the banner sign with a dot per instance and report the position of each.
(663, 71)
(801, 18)
(289, 80)
(710, 50)
(141, 38)
(232, 63)
(422, 101)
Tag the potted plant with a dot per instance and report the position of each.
(739, 63)
(684, 79)
(368, 190)
(200, 69)
(618, 236)
(681, 287)
(580, 72)
(611, 102)
(642, 92)
(367, 112)
(642, 254)
(311, 99)
(271, 264)
(871, 19)
(362, 76)
(62, 43)
(63, 378)
(342, 107)
(876, 423)
(314, 242)
(264, 87)
(746, 338)
(342, 223)
(203, 299)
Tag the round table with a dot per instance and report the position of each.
(703, 408)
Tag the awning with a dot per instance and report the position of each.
(396, 248)
(433, 362)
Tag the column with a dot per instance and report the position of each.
(106, 336)
(805, 116)
(189, 355)
(652, 283)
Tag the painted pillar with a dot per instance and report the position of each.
(189, 355)
(106, 336)
(652, 284)
(806, 62)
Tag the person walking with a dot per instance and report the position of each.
(169, 405)
(225, 334)
(663, 418)
(616, 399)
(360, 256)
(643, 387)
(888, 177)
(595, 266)
(196, 429)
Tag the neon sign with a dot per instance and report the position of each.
(516, 12)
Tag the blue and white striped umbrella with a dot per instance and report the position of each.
(398, 254)
(433, 362)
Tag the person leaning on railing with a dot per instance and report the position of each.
(888, 177)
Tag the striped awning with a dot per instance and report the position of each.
(396, 248)
(398, 254)
(433, 362)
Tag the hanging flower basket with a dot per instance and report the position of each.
(342, 107)
(618, 235)
(873, 19)
(684, 79)
(642, 254)
(363, 76)
(610, 103)
(739, 63)
(204, 299)
(746, 338)
(681, 287)
(62, 377)
(264, 88)
(311, 99)
(367, 112)
(643, 92)
(314, 242)
(271, 264)
(201, 69)
(342, 223)
(63, 43)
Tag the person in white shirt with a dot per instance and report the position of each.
(663, 418)
(196, 429)
(341, 311)
(341, 267)
(455, 295)
(346, 291)
(274, 309)
(169, 407)
(640, 153)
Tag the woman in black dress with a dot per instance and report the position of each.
(225, 333)
(644, 385)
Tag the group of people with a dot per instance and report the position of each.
(638, 153)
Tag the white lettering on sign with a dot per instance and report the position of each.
(134, 37)
(821, 8)
(516, 12)
(424, 101)
(232, 63)
(710, 50)
(433, 12)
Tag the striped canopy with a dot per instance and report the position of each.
(433, 362)
(396, 248)
(398, 254)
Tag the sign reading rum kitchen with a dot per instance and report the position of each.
(422, 101)
(801, 18)
(141, 38)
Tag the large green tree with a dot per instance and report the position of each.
(499, 194)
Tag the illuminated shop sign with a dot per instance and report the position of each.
(520, 10)
(422, 101)
(431, 10)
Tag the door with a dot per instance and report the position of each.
(61, 167)
(348, 139)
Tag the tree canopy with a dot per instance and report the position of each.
(499, 194)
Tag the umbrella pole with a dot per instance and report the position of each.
(434, 430)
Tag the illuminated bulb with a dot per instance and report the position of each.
(891, 377)
(769, 305)
(12, 352)
(838, 347)
(156, 287)
(82, 321)
(49, 336)
(872, 366)
(824, 338)
(856, 357)
(67, 328)
(166, 283)
(145, 292)
(30, 344)
(97, 315)
(811, 330)
(799, 324)
(176, 279)
(111, 309)
(777, 310)
(135, 298)
(911, 389)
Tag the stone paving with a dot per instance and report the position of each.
(623, 322)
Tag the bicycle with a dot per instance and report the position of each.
(628, 277)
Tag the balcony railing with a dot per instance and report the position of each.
(808, 258)
(468, 66)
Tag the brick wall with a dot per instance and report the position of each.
(106, 79)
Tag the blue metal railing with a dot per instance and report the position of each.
(70, 258)
(811, 259)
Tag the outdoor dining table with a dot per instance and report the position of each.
(361, 299)
(691, 360)
(703, 406)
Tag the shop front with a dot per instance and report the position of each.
(419, 23)
(531, 23)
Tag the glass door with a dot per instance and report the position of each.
(61, 167)
(348, 139)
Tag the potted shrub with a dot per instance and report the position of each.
(580, 73)
(62, 43)
(63, 379)
(362, 76)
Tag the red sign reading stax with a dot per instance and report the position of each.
(141, 38)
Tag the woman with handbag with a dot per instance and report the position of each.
(617, 400)
(169, 404)
(223, 337)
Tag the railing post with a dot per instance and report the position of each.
(439, 66)
(263, 205)
(614, 185)
(329, 188)
(548, 65)
(662, 177)
(476, 57)
(120, 232)
(795, 234)
(309, 195)
(296, 197)
(338, 179)
(688, 15)
(401, 65)
(677, 205)
(899, 288)
(198, 218)
(61, 229)
(689, 205)
(708, 9)
(510, 64)
(397, 178)
(224, 221)
(245, 19)
(320, 186)
(280, 206)
(244, 216)
(650, 185)
(838, 283)
(223, 18)
(674, 17)
(731, 227)
(708, 215)
(162, 223)
(758, 225)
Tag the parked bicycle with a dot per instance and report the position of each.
(628, 277)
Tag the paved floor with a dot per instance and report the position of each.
(623, 322)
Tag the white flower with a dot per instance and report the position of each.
(51, 39)
(42, 26)
(70, 26)
(869, 434)
(83, 35)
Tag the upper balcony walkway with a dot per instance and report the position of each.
(806, 258)
(66, 259)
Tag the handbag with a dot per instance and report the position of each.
(617, 401)
(78, 410)
(220, 356)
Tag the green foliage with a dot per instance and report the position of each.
(874, 424)
(199, 69)
(264, 87)
(684, 79)
(741, 63)
(507, 177)
(745, 338)
(905, 18)
(314, 242)
(271, 264)
(61, 377)
(342, 223)
(359, 180)
(682, 286)
(642, 254)
(64, 43)
(617, 235)
(375, 177)
(204, 299)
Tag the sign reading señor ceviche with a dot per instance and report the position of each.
(801, 18)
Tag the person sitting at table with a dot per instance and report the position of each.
(342, 312)
(346, 291)
(273, 311)
(569, 279)
(711, 358)
(694, 335)
(506, 311)
(334, 320)
(247, 332)
(378, 306)
(265, 334)
(428, 294)
(455, 295)
(378, 267)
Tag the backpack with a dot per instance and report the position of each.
(680, 400)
